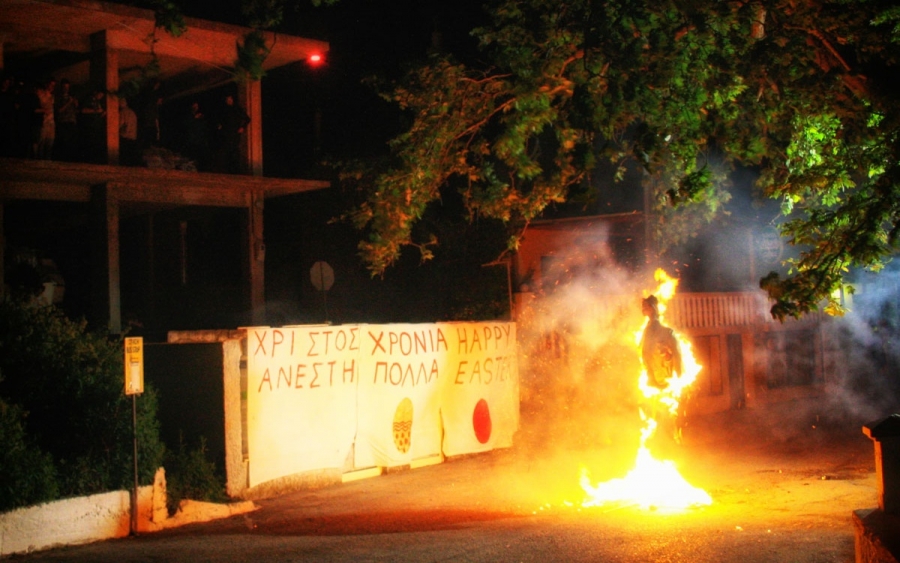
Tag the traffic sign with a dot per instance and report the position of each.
(321, 275)
(134, 365)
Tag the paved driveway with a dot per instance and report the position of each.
(784, 486)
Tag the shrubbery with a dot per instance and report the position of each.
(27, 475)
(191, 475)
(65, 422)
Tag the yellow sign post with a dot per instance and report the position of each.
(134, 365)
(134, 386)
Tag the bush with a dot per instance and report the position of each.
(70, 382)
(189, 474)
(27, 475)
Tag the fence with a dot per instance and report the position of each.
(708, 310)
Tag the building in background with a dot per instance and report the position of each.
(172, 242)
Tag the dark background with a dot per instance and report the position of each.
(367, 39)
(314, 119)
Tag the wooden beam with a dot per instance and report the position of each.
(50, 23)
(298, 187)
(181, 195)
(71, 181)
(10, 190)
(38, 38)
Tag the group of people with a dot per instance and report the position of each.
(214, 142)
(46, 120)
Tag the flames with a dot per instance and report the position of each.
(654, 483)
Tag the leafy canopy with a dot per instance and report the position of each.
(798, 89)
(65, 423)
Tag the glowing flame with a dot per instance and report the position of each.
(654, 483)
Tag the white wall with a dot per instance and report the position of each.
(101, 517)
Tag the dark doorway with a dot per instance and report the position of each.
(736, 370)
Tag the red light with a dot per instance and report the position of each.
(316, 59)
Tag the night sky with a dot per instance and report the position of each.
(366, 37)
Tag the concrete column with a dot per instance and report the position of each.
(886, 435)
(2, 254)
(106, 297)
(250, 98)
(105, 76)
(257, 258)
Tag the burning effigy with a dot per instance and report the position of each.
(622, 396)
(668, 368)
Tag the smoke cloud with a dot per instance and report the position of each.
(580, 365)
(865, 366)
(579, 359)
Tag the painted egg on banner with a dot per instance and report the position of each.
(481, 421)
(403, 418)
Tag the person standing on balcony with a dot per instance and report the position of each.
(45, 123)
(128, 132)
(66, 123)
(8, 109)
(231, 127)
(93, 128)
(196, 137)
(148, 116)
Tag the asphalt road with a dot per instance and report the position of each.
(784, 485)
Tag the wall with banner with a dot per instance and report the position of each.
(360, 396)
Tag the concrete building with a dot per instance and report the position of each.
(158, 244)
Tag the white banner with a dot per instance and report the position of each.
(401, 367)
(480, 398)
(301, 399)
(393, 393)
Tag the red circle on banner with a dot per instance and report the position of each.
(481, 421)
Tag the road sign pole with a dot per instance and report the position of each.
(134, 493)
(322, 277)
(134, 386)
(324, 292)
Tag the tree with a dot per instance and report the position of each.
(63, 412)
(801, 90)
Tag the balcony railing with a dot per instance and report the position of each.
(709, 310)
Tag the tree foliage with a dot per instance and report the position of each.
(62, 399)
(27, 474)
(800, 90)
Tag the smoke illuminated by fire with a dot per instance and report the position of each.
(654, 483)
